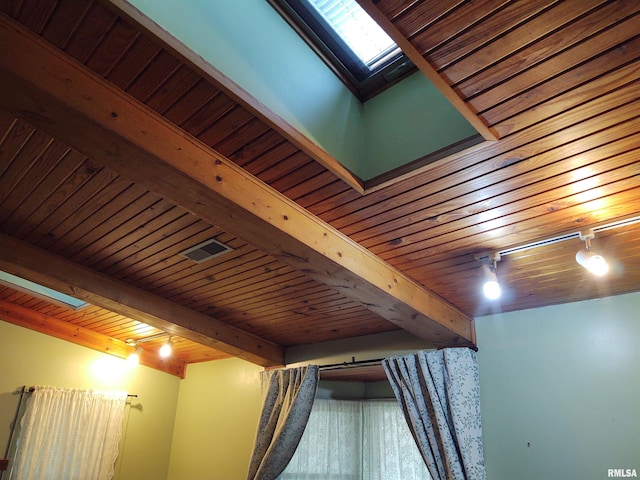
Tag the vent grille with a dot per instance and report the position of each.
(206, 251)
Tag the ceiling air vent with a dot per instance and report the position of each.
(206, 251)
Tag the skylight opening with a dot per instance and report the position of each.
(349, 41)
(41, 291)
(358, 30)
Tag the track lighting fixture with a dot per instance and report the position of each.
(166, 348)
(490, 285)
(588, 258)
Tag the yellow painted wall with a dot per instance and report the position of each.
(31, 358)
(218, 410)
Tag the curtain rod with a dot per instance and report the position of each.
(32, 389)
(351, 364)
(373, 361)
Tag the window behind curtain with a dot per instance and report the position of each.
(356, 440)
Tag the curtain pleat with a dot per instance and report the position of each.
(69, 434)
(439, 394)
(287, 400)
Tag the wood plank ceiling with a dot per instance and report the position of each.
(556, 81)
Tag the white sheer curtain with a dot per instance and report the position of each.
(389, 450)
(356, 440)
(68, 434)
(331, 445)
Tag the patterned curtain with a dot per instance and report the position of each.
(287, 400)
(69, 434)
(439, 393)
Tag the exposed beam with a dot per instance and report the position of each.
(63, 98)
(425, 67)
(40, 322)
(56, 272)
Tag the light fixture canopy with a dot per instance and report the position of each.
(589, 259)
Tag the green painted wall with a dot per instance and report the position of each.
(407, 121)
(218, 411)
(31, 358)
(560, 390)
(253, 46)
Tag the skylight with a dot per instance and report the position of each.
(41, 291)
(349, 41)
(358, 30)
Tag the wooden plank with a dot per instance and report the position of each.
(428, 70)
(422, 15)
(450, 27)
(25, 317)
(549, 46)
(564, 82)
(90, 32)
(489, 29)
(63, 98)
(519, 38)
(56, 272)
(41, 203)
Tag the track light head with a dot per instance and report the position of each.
(490, 285)
(590, 259)
(134, 358)
(166, 348)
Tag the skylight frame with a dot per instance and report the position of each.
(364, 82)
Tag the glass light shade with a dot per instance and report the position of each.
(490, 286)
(593, 262)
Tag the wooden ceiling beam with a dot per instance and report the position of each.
(71, 103)
(43, 323)
(53, 271)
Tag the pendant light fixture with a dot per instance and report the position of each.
(588, 258)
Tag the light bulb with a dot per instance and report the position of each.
(166, 349)
(134, 358)
(593, 262)
(490, 287)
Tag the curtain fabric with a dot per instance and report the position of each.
(69, 434)
(331, 447)
(356, 440)
(439, 393)
(287, 400)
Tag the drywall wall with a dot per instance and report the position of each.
(406, 122)
(215, 426)
(32, 358)
(560, 390)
